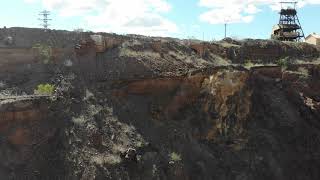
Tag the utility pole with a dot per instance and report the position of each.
(202, 43)
(44, 19)
(225, 30)
(226, 20)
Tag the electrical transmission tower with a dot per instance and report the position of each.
(289, 27)
(45, 19)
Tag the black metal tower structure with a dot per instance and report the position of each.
(289, 27)
(45, 19)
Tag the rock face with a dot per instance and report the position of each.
(282, 116)
(154, 108)
(27, 131)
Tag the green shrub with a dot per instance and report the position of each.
(248, 64)
(283, 63)
(44, 51)
(175, 157)
(44, 89)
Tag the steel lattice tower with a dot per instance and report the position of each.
(45, 19)
(289, 27)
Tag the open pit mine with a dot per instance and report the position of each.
(97, 106)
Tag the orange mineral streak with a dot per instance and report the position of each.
(8, 119)
(20, 136)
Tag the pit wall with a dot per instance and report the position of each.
(219, 91)
(216, 101)
(225, 92)
(25, 128)
(258, 51)
(19, 119)
(21, 55)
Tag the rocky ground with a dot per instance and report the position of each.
(159, 108)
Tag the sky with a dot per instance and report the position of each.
(200, 19)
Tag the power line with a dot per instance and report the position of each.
(44, 19)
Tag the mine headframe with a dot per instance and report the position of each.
(289, 27)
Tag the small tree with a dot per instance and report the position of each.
(175, 157)
(44, 89)
(283, 63)
(248, 64)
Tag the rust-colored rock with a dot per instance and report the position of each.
(20, 136)
(199, 48)
(157, 46)
(113, 42)
(274, 72)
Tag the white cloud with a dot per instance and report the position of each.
(222, 15)
(251, 9)
(120, 16)
(240, 11)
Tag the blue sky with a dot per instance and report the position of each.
(176, 18)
